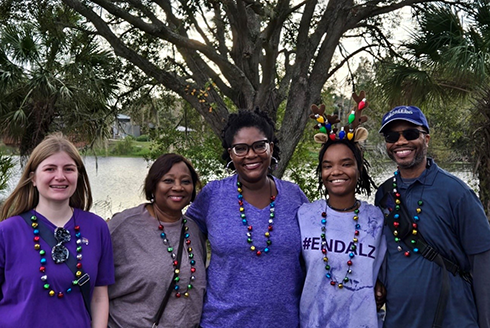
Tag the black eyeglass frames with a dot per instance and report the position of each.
(408, 134)
(259, 147)
(60, 253)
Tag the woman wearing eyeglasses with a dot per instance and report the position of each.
(55, 256)
(254, 275)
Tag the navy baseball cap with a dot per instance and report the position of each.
(410, 114)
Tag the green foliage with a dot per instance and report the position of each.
(143, 137)
(127, 147)
(444, 71)
(124, 147)
(443, 67)
(302, 169)
(6, 166)
(197, 143)
(52, 78)
(200, 147)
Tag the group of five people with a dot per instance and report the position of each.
(276, 260)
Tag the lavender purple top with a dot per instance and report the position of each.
(23, 300)
(246, 290)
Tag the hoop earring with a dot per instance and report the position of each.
(229, 169)
(274, 163)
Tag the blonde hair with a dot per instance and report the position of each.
(25, 196)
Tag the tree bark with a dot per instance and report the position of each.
(481, 142)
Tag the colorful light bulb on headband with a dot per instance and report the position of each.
(362, 104)
(342, 133)
(350, 135)
(352, 116)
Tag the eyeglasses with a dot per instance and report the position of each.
(259, 147)
(60, 253)
(408, 134)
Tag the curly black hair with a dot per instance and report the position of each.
(365, 181)
(244, 119)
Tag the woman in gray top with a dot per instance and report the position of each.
(146, 243)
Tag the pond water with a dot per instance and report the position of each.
(117, 182)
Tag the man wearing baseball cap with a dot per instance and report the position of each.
(437, 266)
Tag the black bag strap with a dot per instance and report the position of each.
(48, 236)
(158, 315)
(413, 239)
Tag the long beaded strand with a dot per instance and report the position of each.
(170, 250)
(267, 234)
(352, 253)
(44, 262)
(396, 217)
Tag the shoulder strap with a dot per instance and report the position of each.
(71, 262)
(158, 315)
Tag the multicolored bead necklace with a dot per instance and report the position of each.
(267, 234)
(173, 255)
(353, 246)
(44, 261)
(416, 218)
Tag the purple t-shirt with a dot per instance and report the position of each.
(23, 300)
(246, 290)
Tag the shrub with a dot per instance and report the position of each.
(124, 147)
(143, 137)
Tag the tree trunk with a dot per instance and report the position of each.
(481, 142)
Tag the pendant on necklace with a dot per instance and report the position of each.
(59, 255)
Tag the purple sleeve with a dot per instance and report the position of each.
(2, 260)
(105, 272)
(303, 197)
(293, 187)
(199, 208)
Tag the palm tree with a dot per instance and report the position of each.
(445, 69)
(53, 79)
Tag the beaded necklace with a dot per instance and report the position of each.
(44, 261)
(353, 245)
(416, 218)
(267, 234)
(173, 255)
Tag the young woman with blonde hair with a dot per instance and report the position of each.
(55, 256)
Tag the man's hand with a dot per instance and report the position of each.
(379, 294)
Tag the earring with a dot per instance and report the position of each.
(152, 200)
(274, 162)
(229, 169)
